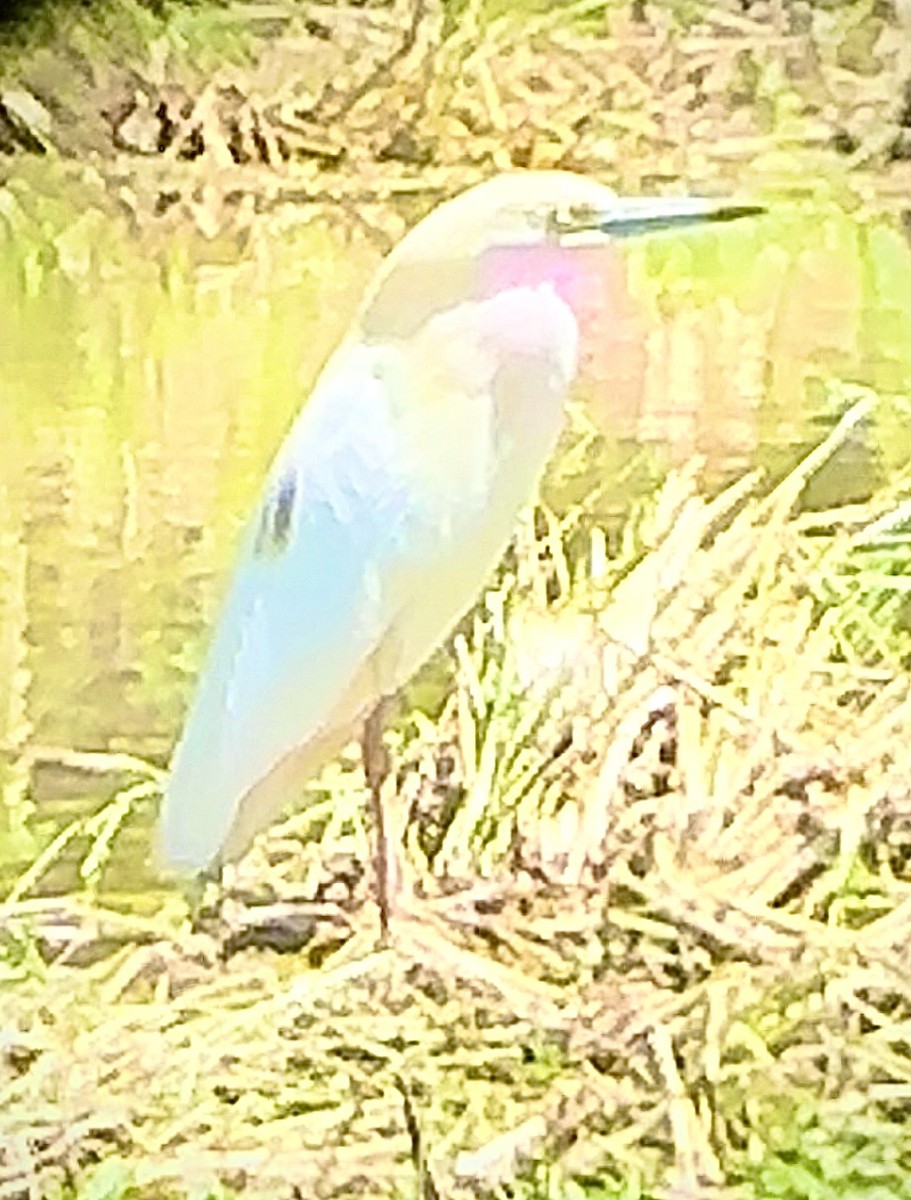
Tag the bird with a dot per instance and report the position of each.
(394, 494)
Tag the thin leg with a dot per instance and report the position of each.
(376, 769)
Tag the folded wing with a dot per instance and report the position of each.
(389, 502)
(306, 609)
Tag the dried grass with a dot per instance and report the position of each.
(336, 112)
(660, 843)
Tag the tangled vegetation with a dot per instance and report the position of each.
(657, 834)
(657, 847)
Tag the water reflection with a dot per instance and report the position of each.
(145, 388)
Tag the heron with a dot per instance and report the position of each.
(395, 492)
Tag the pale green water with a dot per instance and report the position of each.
(146, 379)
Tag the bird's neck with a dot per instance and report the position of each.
(577, 275)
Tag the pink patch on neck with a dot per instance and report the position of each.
(591, 281)
(507, 267)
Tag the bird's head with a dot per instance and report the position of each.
(522, 228)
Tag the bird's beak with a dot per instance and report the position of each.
(634, 217)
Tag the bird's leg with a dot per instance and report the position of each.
(376, 770)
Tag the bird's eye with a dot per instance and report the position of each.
(275, 524)
(540, 217)
(558, 218)
(570, 218)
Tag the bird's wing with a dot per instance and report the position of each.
(305, 612)
(392, 496)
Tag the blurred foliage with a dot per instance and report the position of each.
(203, 36)
(151, 361)
(152, 371)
